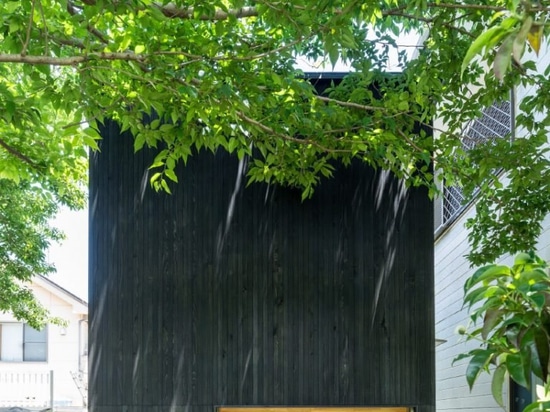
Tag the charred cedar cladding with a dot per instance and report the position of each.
(222, 294)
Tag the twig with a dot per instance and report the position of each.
(68, 126)
(29, 28)
(413, 144)
(73, 12)
(69, 42)
(399, 13)
(46, 35)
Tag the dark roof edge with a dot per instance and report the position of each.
(325, 75)
(63, 290)
(337, 75)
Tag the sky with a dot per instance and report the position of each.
(71, 256)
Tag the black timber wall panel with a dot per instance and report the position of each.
(221, 294)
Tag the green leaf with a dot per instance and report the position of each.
(14, 27)
(483, 273)
(537, 406)
(523, 259)
(125, 43)
(477, 295)
(90, 138)
(492, 318)
(518, 369)
(503, 58)
(139, 141)
(479, 43)
(462, 356)
(171, 175)
(499, 375)
(521, 38)
(403, 105)
(494, 272)
(164, 185)
(540, 354)
(478, 363)
(155, 177)
(11, 6)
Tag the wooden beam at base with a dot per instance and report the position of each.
(315, 409)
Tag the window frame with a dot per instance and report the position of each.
(28, 340)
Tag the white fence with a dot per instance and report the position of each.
(26, 389)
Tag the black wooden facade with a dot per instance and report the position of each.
(222, 294)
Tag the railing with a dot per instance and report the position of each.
(81, 381)
(26, 389)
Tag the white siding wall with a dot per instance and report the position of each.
(451, 271)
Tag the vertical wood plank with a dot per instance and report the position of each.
(223, 294)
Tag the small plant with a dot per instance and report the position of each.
(510, 307)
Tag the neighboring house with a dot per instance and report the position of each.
(29, 359)
(451, 271)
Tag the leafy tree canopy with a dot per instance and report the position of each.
(222, 74)
(42, 166)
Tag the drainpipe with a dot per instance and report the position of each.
(80, 347)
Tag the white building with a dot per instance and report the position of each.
(452, 269)
(41, 367)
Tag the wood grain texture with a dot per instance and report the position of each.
(222, 294)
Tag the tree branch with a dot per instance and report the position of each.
(287, 137)
(172, 11)
(123, 56)
(399, 13)
(350, 104)
(17, 154)
(463, 6)
(70, 61)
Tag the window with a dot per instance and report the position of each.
(520, 397)
(21, 343)
(494, 123)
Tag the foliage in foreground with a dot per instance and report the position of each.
(510, 307)
(222, 75)
(42, 167)
(25, 234)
